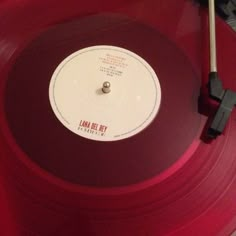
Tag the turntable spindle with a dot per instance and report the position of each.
(106, 88)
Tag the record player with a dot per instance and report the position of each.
(117, 118)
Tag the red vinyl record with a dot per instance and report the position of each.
(131, 160)
(116, 163)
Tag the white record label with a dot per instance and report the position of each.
(127, 107)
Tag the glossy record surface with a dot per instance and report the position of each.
(196, 198)
(91, 163)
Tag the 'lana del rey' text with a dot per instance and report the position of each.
(92, 128)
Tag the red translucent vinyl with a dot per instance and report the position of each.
(195, 198)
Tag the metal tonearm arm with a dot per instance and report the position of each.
(227, 98)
